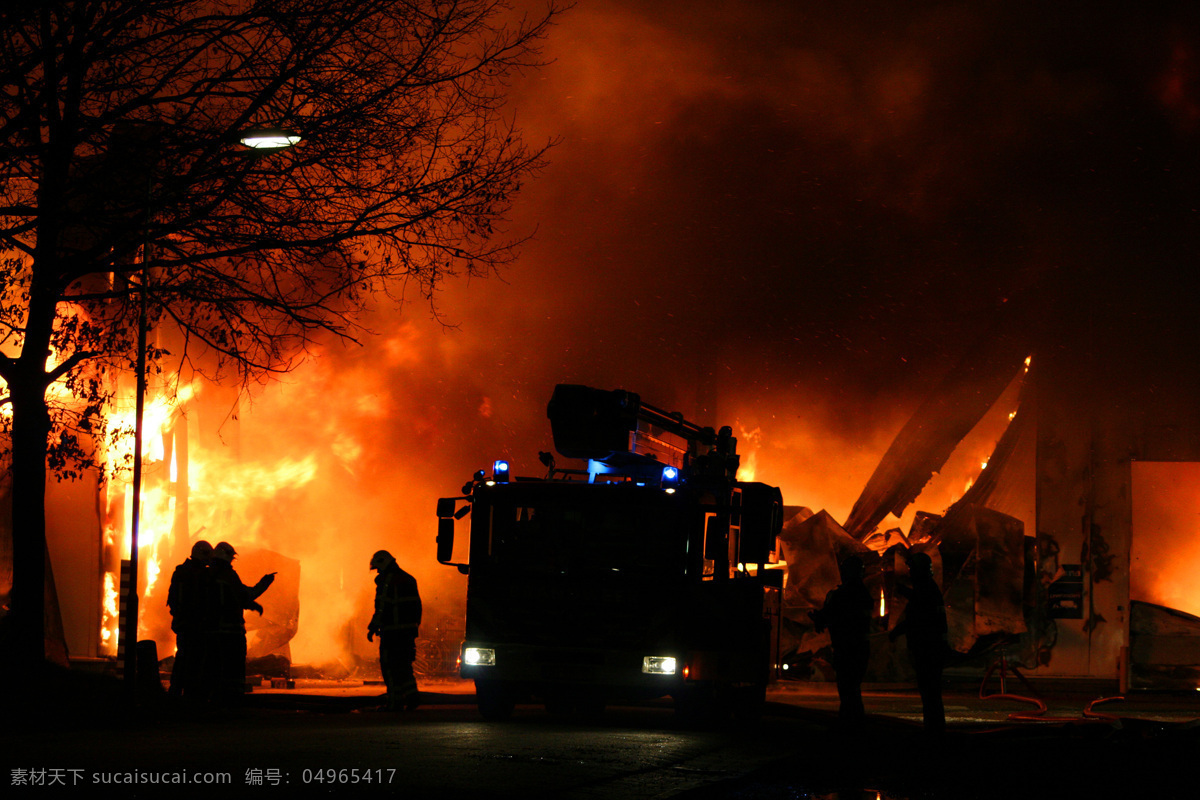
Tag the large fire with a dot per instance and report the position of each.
(809, 200)
(189, 492)
(325, 482)
(347, 455)
(291, 476)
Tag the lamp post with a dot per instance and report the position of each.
(265, 140)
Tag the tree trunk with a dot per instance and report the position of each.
(30, 426)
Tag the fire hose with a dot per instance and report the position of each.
(1038, 714)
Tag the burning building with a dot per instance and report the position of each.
(310, 507)
(1117, 450)
(1056, 491)
(797, 219)
(1069, 546)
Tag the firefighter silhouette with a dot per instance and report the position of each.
(186, 600)
(847, 615)
(923, 623)
(396, 621)
(226, 646)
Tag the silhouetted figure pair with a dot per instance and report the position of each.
(924, 625)
(396, 621)
(847, 615)
(207, 599)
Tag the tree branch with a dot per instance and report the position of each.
(73, 361)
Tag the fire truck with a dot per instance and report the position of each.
(644, 574)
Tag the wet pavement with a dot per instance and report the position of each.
(969, 706)
(995, 747)
(1074, 740)
(972, 707)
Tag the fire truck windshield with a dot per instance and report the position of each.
(621, 529)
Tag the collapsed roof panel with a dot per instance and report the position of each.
(930, 436)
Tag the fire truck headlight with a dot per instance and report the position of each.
(658, 665)
(479, 656)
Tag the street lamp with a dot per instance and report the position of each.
(266, 140)
(269, 138)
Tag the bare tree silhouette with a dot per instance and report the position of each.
(125, 184)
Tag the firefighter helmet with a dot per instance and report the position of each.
(381, 560)
(202, 550)
(225, 551)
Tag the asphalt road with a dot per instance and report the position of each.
(296, 744)
(438, 751)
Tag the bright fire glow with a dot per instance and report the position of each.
(109, 620)
(749, 443)
(152, 571)
(817, 469)
(1165, 546)
(216, 487)
(310, 483)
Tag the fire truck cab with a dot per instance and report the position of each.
(643, 575)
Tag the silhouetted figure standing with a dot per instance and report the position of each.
(186, 599)
(847, 615)
(396, 621)
(924, 625)
(228, 599)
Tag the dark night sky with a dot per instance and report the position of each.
(788, 217)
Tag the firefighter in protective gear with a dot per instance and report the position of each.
(396, 621)
(923, 624)
(228, 600)
(186, 599)
(847, 615)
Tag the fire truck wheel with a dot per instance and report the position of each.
(495, 700)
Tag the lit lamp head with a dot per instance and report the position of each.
(500, 471)
(269, 139)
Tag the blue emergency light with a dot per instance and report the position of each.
(670, 478)
(500, 471)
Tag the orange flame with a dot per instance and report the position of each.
(749, 443)
(109, 616)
